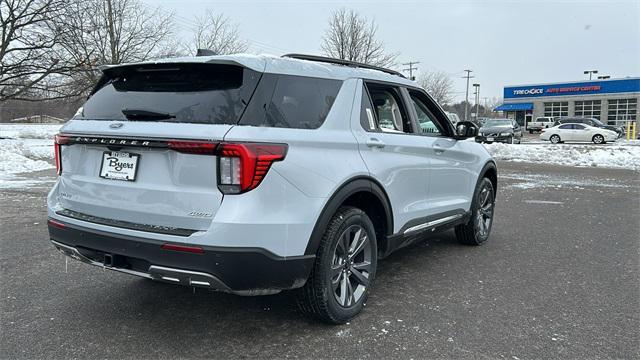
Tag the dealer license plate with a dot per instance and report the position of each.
(119, 165)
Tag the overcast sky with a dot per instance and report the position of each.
(503, 42)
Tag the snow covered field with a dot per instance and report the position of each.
(621, 154)
(26, 148)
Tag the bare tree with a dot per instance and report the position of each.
(217, 33)
(111, 32)
(50, 48)
(29, 38)
(353, 37)
(439, 85)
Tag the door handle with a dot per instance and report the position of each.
(375, 143)
(437, 149)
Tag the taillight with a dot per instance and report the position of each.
(58, 141)
(242, 166)
(193, 147)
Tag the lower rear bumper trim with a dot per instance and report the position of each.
(243, 271)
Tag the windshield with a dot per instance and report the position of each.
(598, 122)
(184, 93)
(495, 123)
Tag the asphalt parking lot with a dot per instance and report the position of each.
(559, 278)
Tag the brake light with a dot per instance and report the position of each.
(59, 140)
(193, 147)
(242, 166)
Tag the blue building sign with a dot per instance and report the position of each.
(576, 88)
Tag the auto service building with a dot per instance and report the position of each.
(612, 101)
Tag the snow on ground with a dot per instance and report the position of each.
(25, 148)
(28, 131)
(621, 154)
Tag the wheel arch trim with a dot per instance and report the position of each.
(348, 188)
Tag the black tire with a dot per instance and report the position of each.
(555, 139)
(473, 232)
(318, 298)
(530, 131)
(510, 140)
(598, 139)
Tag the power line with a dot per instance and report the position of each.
(411, 68)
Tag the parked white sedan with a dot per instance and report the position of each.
(579, 133)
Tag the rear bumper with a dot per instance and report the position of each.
(244, 271)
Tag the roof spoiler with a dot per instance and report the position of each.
(205, 52)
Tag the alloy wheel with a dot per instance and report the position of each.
(351, 266)
(598, 139)
(484, 212)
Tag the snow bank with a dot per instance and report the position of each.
(18, 156)
(28, 131)
(623, 155)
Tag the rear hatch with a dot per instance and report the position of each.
(140, 153)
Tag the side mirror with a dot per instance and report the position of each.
(465, 129)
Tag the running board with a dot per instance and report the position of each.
(418, 229)
(433, 224)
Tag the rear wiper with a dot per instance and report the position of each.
(145, 115)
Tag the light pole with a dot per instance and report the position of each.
(590, 72)
(477, 92)
(466, 98)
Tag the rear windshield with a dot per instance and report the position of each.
(210, 94)
(187, 93)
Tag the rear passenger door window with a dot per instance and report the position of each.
(388, 110)
(367, 117)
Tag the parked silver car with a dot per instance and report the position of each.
(255, 174)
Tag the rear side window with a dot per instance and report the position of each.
(183, 93)
(566, 126)
(289, 101)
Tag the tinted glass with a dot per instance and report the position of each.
(491, 123)
(566, 126)
(189, 93)
(291, 102)
(389, 110)
(578, 127)
(367, 117)
(426, 124)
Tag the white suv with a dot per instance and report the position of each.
(255, 174)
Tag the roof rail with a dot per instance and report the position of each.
(349, 63)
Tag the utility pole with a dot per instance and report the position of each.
(477, 93)
(466, 98)
(411, 68)
(484, 99)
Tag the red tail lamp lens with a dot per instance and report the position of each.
(193, 147)
(57, 150)
(242, 166)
